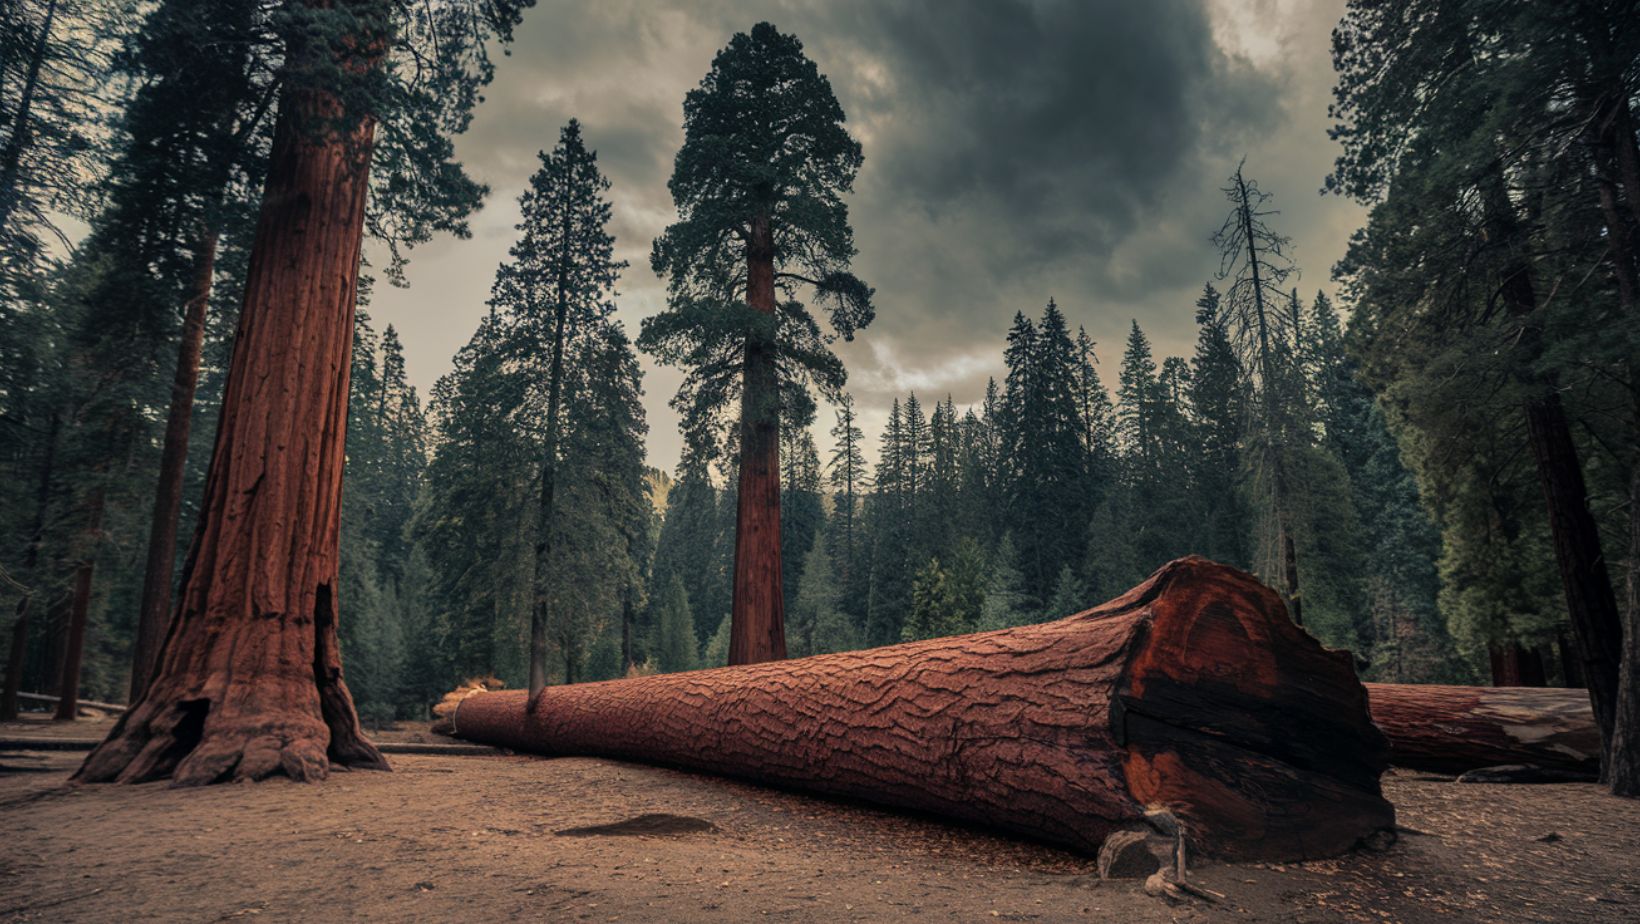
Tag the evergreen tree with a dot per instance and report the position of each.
(933, 605)
(802, 513)
(1136, 401)
(474, 525)
(690, 543)
(556, 287)
(1098, 421)
(1443, 127)
(716, 651)
(1216, 402)
(1043, 449)
(675, 645)
(846, 474)
(1004, 603)
(1070, 595)
(818, 622)
(764, 163)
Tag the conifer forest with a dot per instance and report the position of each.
(1017, 442)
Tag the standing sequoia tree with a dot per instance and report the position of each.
(249, 680)
(758, 185)
(557, 287)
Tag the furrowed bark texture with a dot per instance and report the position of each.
(248, 682)
(1193, 691)
(757, 622)
(1445, 729)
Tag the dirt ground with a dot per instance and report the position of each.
(511, 837)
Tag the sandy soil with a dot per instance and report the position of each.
(502, 838)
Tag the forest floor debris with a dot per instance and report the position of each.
(477, 838)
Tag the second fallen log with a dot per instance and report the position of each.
(1193, 692)
(1449, 729)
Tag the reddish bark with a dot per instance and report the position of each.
(155, 606)
(1194, 692)
(1515, 665)
(1445, 729)
(248, 682)
(757, 624)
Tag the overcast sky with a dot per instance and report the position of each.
(1014, 151)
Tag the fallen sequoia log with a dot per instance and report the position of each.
(1193, 693)
(1445, 729)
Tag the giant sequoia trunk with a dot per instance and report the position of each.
(155, 606)
(1193, 692)
(757, 624)
(1445, 729)
(249, 679)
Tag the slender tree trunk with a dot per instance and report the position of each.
(1623, 769)
(85, 571)
(540, 611)
(1286, 548)
(16, 658)
(1596, 628)
(248, 682)
(1624, 762)
(155, 607)
(628, 615)
(1626, 152)
(68, 693)
(11, 159)
(758, 619)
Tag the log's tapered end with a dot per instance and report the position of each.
(1243, 725)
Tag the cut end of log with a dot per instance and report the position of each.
(1192, 698)
(1242, 724)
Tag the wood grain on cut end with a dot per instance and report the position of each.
(1063, 731)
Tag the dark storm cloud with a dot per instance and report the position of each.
(1015, 150)
(1061, 121)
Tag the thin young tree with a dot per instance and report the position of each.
(759, 186)
(557, 287)
(847, 473)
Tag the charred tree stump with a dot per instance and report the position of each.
(1192, 693)
(1445, 729)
